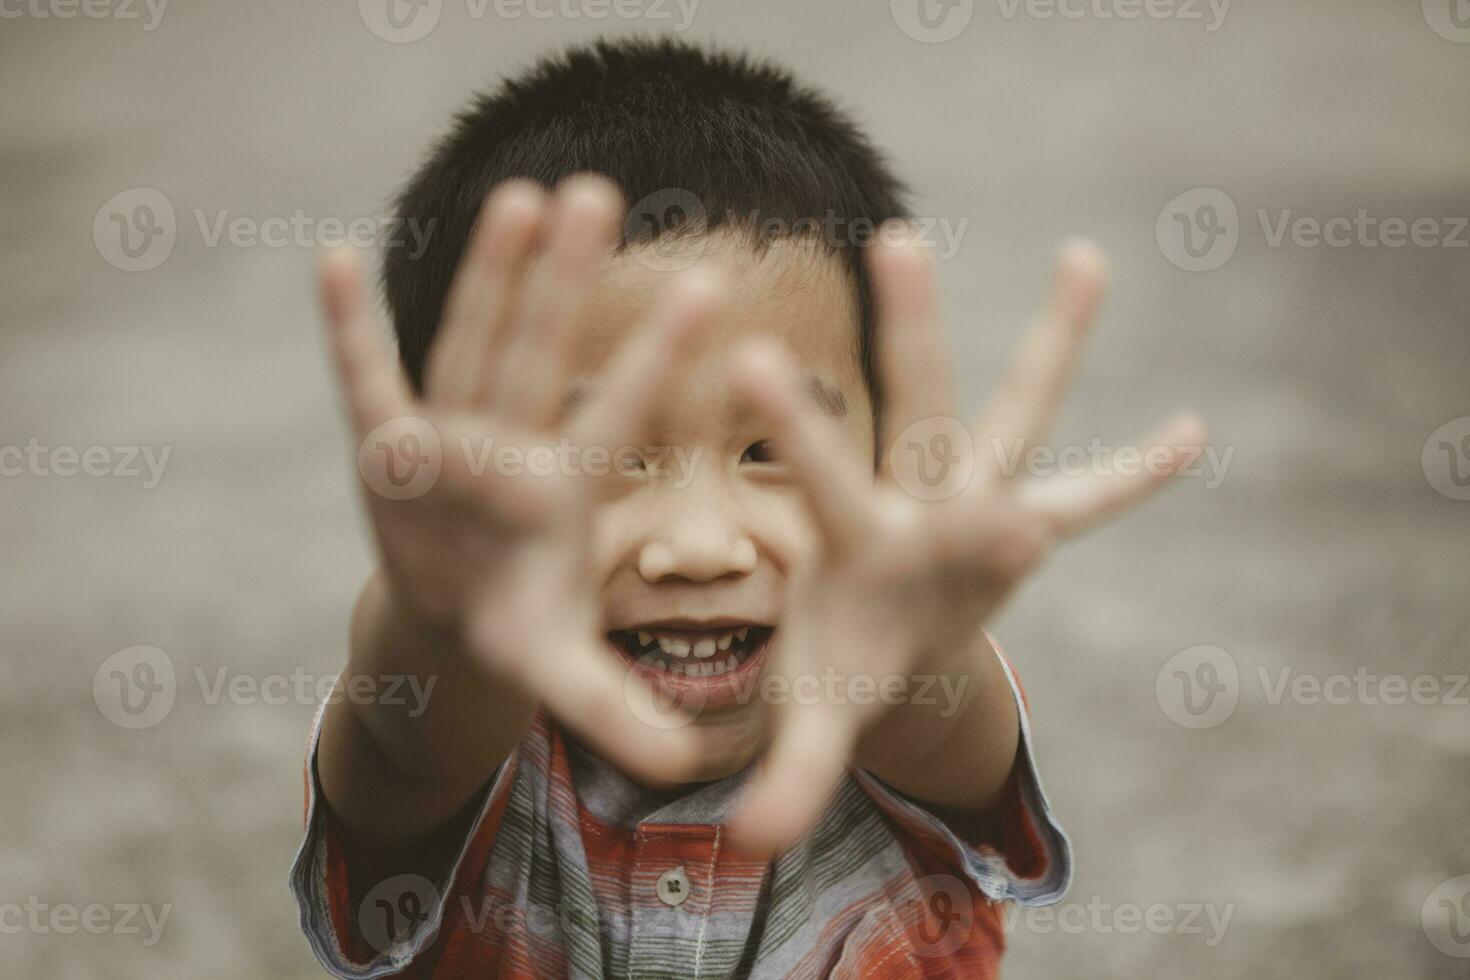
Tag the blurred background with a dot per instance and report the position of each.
(177, 474)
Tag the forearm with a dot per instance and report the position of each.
(395, 769)
(955, 744)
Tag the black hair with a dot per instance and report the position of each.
(678, 129)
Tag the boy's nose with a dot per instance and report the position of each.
(696, 548)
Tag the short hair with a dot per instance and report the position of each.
(663, 120)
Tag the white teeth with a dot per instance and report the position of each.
(703, 648)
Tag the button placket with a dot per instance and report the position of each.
(670, 864)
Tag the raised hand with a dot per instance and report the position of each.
(904, 581)
(499, 561)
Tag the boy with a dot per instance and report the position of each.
(715, 563)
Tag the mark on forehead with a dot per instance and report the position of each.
(575, 395)
(829, 399)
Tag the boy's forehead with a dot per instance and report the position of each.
(793, 291)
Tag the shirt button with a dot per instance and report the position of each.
(673, 886)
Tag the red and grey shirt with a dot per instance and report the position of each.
(570, 870)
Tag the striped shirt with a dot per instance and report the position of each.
(570, 870)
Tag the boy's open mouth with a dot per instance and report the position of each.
(715, 651)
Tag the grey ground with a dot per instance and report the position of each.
(1323, 828)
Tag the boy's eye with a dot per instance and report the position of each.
(759, 452)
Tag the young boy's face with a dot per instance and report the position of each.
(693, 558)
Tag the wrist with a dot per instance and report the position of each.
(960, 655)
(383, 620)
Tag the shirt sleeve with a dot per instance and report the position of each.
(1027, 858)
(394, 923)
